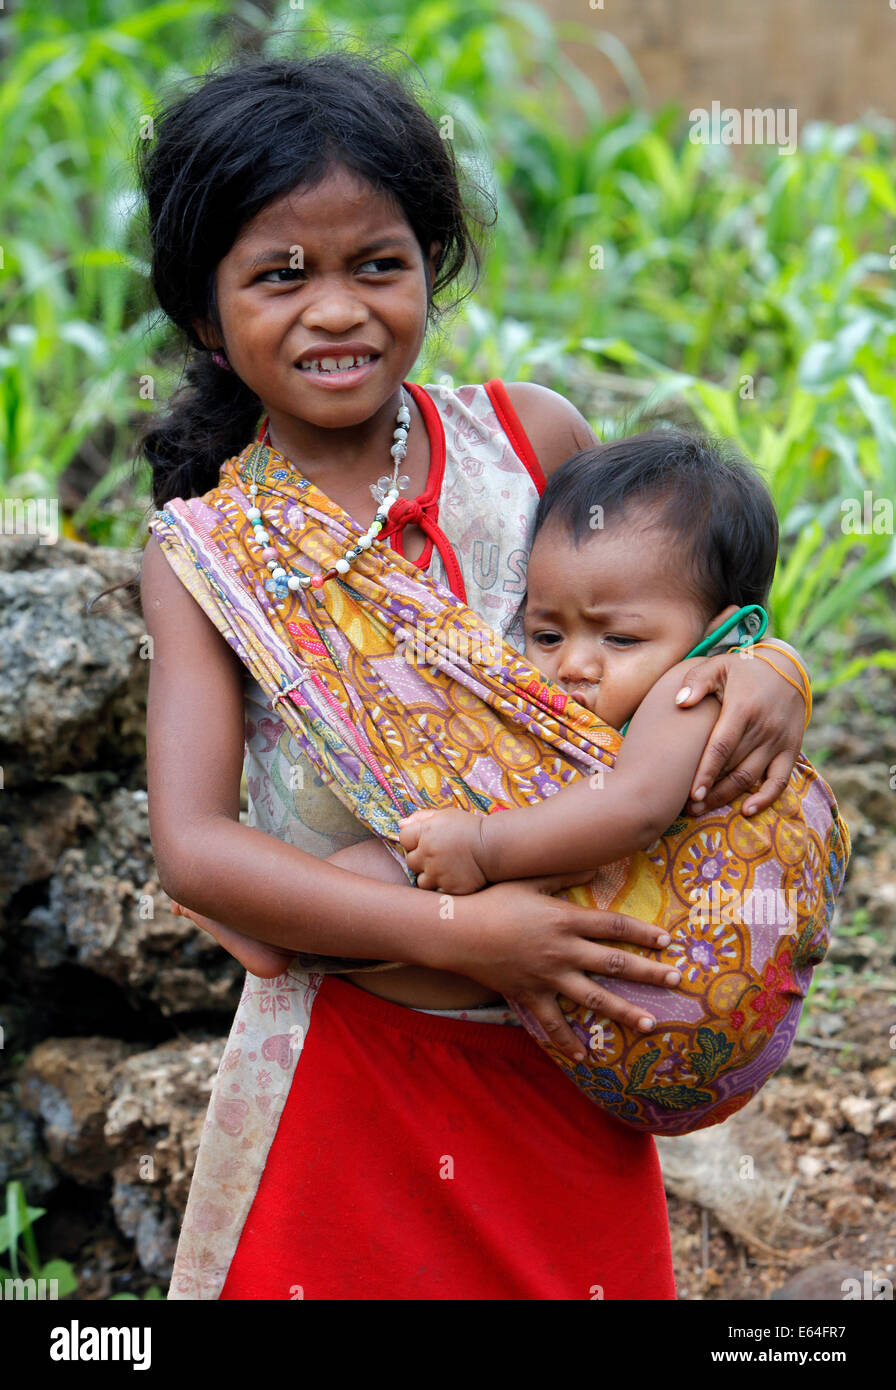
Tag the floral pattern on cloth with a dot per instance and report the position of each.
(401, 697)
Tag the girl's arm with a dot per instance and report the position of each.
(514, 937)
(206, 859)
(758, 733)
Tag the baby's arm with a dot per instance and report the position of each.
(600, 818)
(610, 814)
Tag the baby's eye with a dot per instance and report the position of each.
(614, 640)
(546, 639)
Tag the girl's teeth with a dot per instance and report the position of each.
(334, 364)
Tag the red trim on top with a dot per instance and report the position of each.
(428, 499)
(512, 425)
(423, 510)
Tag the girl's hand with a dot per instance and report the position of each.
(442, 848)
(518, 941)
(756, 738)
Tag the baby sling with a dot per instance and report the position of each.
(402, 698)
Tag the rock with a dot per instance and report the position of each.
(153, 1125)
(105, 1108)
(886, 1118)
(142, 1216)
(810, 1166)
(859, 1113)
(106, 912)
(20, 1155)
(846, 1209)
(75, 696)
(736, 1171)
(868, 789)
(67, 1083)
(822, 1283)
(883, 1079)
(34, 830)
(822, 1132)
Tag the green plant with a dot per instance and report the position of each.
(17, 1225)
(628, 264)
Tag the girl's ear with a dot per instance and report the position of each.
(205, 334)
(432, 260)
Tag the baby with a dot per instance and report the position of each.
(642, 549)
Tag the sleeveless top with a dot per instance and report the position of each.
(482, 493)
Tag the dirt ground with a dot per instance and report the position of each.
(832, 1105)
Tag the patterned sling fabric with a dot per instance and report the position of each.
(401, 697)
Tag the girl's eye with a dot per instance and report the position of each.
(383, 260)
(621, 641)
(283, 275)
(546, 639)
(281, 270)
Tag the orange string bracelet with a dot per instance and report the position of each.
(804, 690)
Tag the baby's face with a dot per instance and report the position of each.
(607, 619)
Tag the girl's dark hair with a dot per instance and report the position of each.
(711, 499)
(244, 137)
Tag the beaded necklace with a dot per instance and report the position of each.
(385, 491)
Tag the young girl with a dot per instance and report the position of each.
(683, 555)
(380, 1135)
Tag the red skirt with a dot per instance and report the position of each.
(420, 1157)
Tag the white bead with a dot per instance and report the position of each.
(398, 451)
(253, 514)
(294, 582)
(401, 433)
(278, 572)
(262, 536)
(342, 567)
(364, 543)
(404, 415)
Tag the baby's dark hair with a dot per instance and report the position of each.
(712, 500)
(247, 135)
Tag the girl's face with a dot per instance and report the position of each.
(334, 271)
(606, 619)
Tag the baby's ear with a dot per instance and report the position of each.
(720, 618)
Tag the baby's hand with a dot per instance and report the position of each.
(442, 849)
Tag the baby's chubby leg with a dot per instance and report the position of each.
(368, 857)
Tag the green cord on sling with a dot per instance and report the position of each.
(752, 619)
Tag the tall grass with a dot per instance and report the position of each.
(756, 291)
